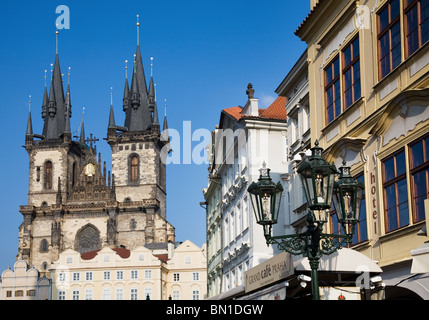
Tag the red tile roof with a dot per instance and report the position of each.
(276, 110)
(162, 257)
(234, 112)
(122, 252)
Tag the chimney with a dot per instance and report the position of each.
(170, 248)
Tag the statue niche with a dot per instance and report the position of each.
(87, 239)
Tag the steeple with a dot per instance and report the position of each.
(68, 108)
(54, 107)
(111, 116)
(138, 116)
(29, 132)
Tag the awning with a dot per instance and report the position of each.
(343, 260)
(420, 256)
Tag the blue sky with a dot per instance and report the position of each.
(205, 53)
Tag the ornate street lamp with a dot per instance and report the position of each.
(347, 199)
(318, 178)
(266, 197)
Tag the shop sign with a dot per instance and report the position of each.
(277, 268)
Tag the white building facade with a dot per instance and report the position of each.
(246, 138)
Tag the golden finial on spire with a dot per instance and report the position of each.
(68, 76)
(126, 69)
(52, 70)
(165, 107)
(29, 103)
(151, 66)
(45, 76)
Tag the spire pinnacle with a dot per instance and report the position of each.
(29, 122)
(138, 30)
(56, 41)
(126, 69)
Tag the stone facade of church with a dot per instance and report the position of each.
(73, 203)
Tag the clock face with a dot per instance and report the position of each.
(89, 169)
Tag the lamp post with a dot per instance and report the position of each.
(318, 179)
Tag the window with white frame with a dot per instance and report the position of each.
(89, 294)
(148, 274)
(75, 295)
(119, 293)
(148, 293)
(134, 274)
(106, 294)
(119, 275)
(106, 275)
(133, 294)
(61, 295)
(195, 294)
(195, 276)
(76, 276)
(89, 276)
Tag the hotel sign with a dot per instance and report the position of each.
(277, 268)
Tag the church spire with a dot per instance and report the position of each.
(111, 116)
(138, 117)
(67, 129)
(29, 122)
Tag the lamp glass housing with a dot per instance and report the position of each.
(318, 178)
(347, 197)
(266, 198)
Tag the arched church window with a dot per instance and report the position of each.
(44, 246)
(87, 239)
(134, 168)
(48, 175)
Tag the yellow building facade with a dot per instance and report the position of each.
(368, 66)
(177, 273)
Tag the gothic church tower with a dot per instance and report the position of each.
(72, 202)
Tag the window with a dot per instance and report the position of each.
(195, 294)
(416, 20)
(361, 231)
(9, 293)
(44, 246)
(88, 276)
(389, 38)
(134, 274)
(133, 224)
(176, 276)
(62, 277)
(176, 295)
(75, 295)
(188, 260)
(120, 294)
(351, 73)
(106, 294)
(148, 274)
(419, 169)
(332, 90)
(119, 275)
(133, 294)
(89, 294)
(31, 293)
(134, 168)
(195, 276)
(76, 276)
(61, 295)
(48, 175)
(19, 293)
(148, 293)
(106, 275)
(395, 192)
